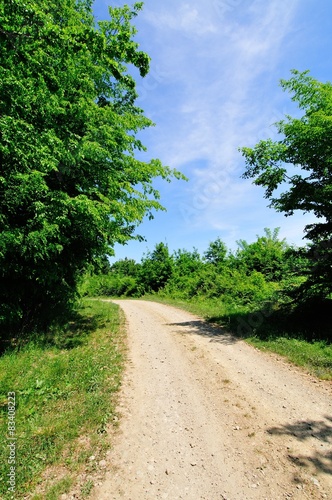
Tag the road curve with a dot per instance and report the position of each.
(205, 416)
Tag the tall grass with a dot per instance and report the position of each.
(65, 387)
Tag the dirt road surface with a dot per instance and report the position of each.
(205, 416)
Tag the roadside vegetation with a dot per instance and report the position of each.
(276, 296)
(253, 292)
(65, 384)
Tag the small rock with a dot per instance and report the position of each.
(193, 464)
(102, 463)
(92, 458)
(315, 481)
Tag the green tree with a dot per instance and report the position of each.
(70, 183)
(267, 255)
(216, 252)
(187, 266)
(300, 163)
(186, 262)
(126, 267)
(156, 268)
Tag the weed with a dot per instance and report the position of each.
(61, 487)
(87, 488)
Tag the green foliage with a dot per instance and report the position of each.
(101, 265)
(242, 289)
(187, 267)
(126, 267)
(248, 277)
(302, 160)
(241, 279)
(111, 285)
(70, 184)
(186, 262)
(156, 268)
(266, 255)
(216, 252)
(254, 291)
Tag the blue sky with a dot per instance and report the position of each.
(214, 86)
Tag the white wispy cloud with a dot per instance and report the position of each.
(213, 87)
(183, 17)
(221, 99)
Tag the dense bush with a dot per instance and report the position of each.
(156, 269)
(250, 276)
(110, 285)
(257, 289)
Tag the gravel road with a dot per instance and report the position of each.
(205, 416)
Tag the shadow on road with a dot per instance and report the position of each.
(304, 430)
(199, 327)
